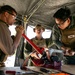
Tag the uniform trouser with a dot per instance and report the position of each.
(69, 60)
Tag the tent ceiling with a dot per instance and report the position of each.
(44, 9)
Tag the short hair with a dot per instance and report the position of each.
(38, 26)
(7, 8)
(62, 13)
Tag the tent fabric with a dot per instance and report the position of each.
(37, 12)
(44, 13)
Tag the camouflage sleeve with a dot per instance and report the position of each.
(56, 36)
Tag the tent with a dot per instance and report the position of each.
(32, 12)
(39, 11)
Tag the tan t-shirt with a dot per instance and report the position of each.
(6, 42)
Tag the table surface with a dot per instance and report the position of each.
(66, 68)
(69, 68)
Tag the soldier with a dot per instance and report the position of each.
(64, 33)
(7, 44)
(39, 41)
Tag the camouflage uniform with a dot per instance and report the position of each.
(65, 38)
(40, 43)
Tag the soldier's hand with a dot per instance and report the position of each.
(48, 54)
(35, 55)
(19, 29)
